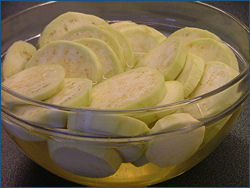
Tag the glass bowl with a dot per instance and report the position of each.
(97, 160)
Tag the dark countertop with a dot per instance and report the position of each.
(227, 166)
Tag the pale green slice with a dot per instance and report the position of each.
(188, 34)
(140, 39)
(137, 88)
(214, 129)
(174, 93)
(157, 34)
(176, 147)
(125, 26)
(122, 24)
(234, 60)
(211, 50)
(65, 23)
(216, 74)
(126, 49)
(84, 159)
(191, 73)
(112, 125)
(90, 31)
(141, 161)
(20, 132)
(111, 65)
(41, 116)
(78, 61)
(18, 54)
(131, 152)
(39, 82)
(168, 57)
(75, 93)
(139, 56)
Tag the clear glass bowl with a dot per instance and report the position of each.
(38, 141)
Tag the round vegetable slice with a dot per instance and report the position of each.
(39, 82)
(112, 125)
(20, 132)
(176, 147)
(140, 39)
(84, 159)
(216, 74)
(168, 57)
(131, 152)
(90, 31)
(213, 129)
(188, 34)
(18, 54)
(41, 116)
(140, 87)
(78, 61)
(111, 65)
(191, 73)
(234, 60)
(174, 93)
(122, 24)
(158, 35)
(65, 23)
(75, 93)
(141, 161)
(212, 50)
(126, 49)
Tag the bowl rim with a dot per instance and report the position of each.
(242, 75)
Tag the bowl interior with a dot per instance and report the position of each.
(167, 17)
